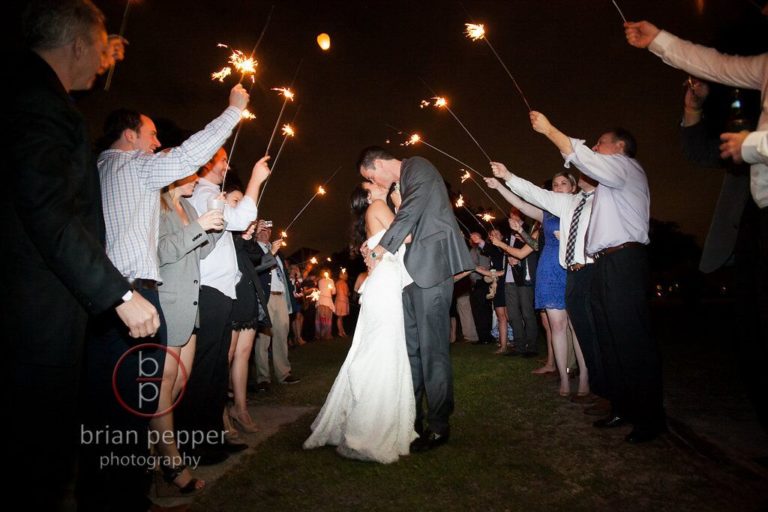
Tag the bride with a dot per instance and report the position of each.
(370, 411)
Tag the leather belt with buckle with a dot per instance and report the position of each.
(575, 267)
(144, 284)
(275, 293)
(609, 250)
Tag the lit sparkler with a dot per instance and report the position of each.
(477, 31)
(441, 102)
(238, 61)
(320, 192)
(247, 115)
(313, 260)
(460, 204)
(315, 296)
(418, 139)
(487, 217)
(289, 96)
(466, 176)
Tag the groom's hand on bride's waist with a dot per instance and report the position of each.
(373, 256)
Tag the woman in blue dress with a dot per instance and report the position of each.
(550, 276)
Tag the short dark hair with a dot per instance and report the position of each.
(371, 154)
(117, 122)
(233, 182)
(48, 24)
(630, 143)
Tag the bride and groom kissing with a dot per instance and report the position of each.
(400, 352)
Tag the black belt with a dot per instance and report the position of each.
(609, 250)
(575, 267)
(144, 284)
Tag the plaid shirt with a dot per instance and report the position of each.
(131, 182)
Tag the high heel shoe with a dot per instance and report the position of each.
(243, 422)
(171, 474)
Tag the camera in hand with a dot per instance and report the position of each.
(267, 223)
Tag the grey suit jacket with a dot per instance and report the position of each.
(180, 249)
(438, 250)
(702, 149)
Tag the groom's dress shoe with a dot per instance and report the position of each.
(612, 421)
(429, 441)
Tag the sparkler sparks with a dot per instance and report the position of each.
(441, 102)
(465, 176)
(286, 92)
(288, 131)
(222, 74)
(315, 295)
(487, 217)
(460, 204)
(321, 190)
(476, 32)
(313, 260)
(238, 60)
(283, 234)
(246, 114)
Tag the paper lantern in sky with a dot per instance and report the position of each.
(324, 41)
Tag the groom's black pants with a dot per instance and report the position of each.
(427, 331)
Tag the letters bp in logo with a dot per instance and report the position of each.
(137, 378)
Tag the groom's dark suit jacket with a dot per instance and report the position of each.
(438, 250)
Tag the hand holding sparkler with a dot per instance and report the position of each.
(640, 34)
(540, 123)
(259, 175)
(493, 183)
(500, 171)
(238, 97)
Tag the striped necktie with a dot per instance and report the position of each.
(570, 248)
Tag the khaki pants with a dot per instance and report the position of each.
(278, 314)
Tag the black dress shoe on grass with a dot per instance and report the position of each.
(429, 441)
(612, 421)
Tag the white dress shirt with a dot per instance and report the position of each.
(130, 191)
(276, 284)
(219, 269)
(562, 206)
(622, 203)
(745, 72)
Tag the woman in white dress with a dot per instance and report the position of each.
(370, 411)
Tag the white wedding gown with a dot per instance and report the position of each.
(370, 411)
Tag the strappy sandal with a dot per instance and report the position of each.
(170, 474)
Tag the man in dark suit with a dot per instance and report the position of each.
(437, 252)
(54, 270)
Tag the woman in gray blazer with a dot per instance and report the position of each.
(183, 241)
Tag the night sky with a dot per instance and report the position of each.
(569, 56)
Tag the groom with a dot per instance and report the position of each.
(436, 253)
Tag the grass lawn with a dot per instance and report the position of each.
(515, 445)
